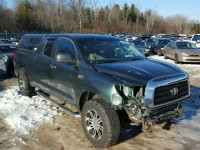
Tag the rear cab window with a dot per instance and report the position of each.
(30, 43)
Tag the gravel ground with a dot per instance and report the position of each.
(32, 123)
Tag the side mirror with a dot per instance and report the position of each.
(65, 58)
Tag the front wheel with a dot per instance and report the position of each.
(100, 123)
(165, 57)
(176, 59)
(159, 53)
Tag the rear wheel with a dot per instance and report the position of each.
(100, 123)
(176, 59)
(24, 85)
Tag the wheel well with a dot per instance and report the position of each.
(123, 117)
(85, 97)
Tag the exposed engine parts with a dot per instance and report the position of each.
(139, 114)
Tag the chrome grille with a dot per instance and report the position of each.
(163, 94)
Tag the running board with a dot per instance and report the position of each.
(59, 105)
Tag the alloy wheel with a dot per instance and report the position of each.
(94, 124)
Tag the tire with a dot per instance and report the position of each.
(8, 71)
(153, 51)
(108, 130)
(159, 53)
(24, 86)
(176, 59)
(9, 68)
(165, 57)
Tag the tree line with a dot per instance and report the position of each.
(85, 16)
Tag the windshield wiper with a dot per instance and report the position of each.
(109, 61)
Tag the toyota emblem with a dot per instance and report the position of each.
(174, 91)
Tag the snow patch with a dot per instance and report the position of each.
(23, 113)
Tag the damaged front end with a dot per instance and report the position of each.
(159, 101)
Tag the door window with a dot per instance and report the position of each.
(174, 46)
(48, 49)
(34, 43)
(170, 44)
(67, 47)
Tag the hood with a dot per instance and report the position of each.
(190, 51)
(138, 72)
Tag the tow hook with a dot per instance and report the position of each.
(146, 126)
(177, 113)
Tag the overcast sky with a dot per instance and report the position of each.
(188, 8)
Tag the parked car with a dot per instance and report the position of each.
(106, 78)
(182, 51)
(196, 40)
(5, 41)
(130, 40)
(149, 41)
(142, 37)
(175, 39)
(159, 44)
(142, 47)
(6, 54)
(15, 39)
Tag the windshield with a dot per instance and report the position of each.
(186, 45)
(163, 42)
(103, 50)
(196, 37)
(149, 41)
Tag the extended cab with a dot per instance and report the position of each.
(102, 76)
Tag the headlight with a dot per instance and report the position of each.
(184, 54)
(121, 92)
(116, 99)
(146, 50)
(6, 58)
(124, 91)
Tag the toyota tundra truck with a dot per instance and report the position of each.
(101, 76)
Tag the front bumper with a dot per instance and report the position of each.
(146, 53)
(166, 113)
(151, 112)
(189, 58)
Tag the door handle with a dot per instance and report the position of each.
(52, 66)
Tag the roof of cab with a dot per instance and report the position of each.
(72, 35)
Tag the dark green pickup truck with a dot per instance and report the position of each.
(103, 77)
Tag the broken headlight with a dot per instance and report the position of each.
(124, 91)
